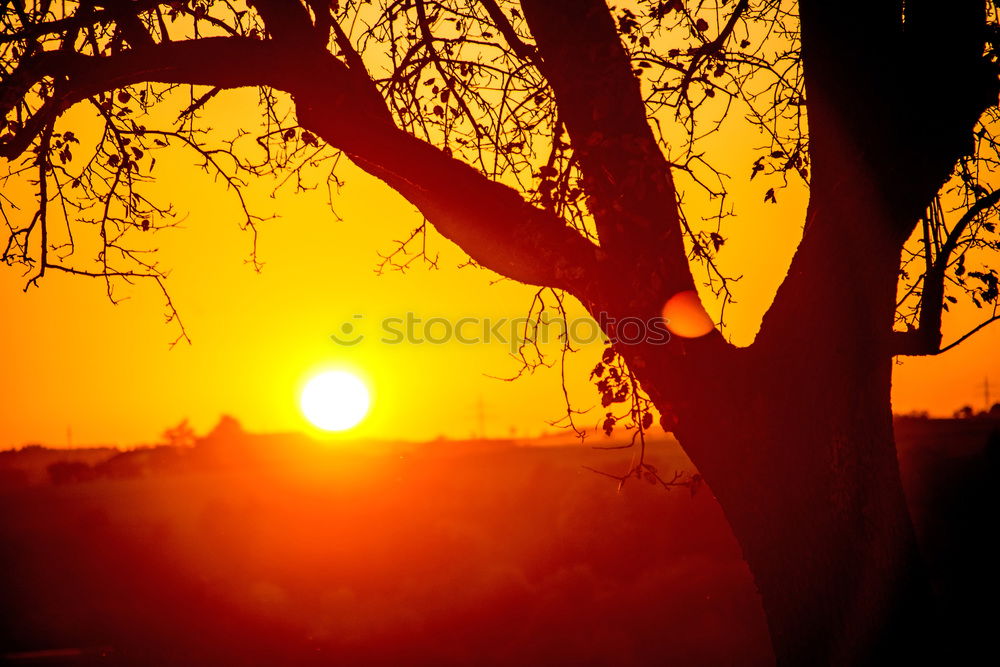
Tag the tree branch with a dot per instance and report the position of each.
(714, 46)
(287, 21)
(601, 105)
(925, 340)
(127, 18)
(520, 48)
(881, 147)
(78, 20)
(630, 190)
(969, 334)
(226, 62)
(490, 221)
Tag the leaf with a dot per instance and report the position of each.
(701, 25)
(769, 196)
(627, 22)
(992, 284)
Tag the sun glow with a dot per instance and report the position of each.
(335, 400)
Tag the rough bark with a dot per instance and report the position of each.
(794, 436)
(816, 502)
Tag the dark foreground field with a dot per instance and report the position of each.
(277, 551)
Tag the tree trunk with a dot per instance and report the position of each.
(799, 451)
(794, 436)
(822, 518)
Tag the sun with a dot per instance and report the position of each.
(335, 400)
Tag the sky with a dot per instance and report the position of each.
(79, 370)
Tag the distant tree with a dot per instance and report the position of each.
(965, 412)
(229, 431)
(225, 445)
(522, 133)
(181, 435)
(124, 465)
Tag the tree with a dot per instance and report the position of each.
(546, 138)
(181, 435)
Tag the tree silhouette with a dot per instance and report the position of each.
(546, 138)
(181, 435)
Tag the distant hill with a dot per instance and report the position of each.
(28, 465)
(920, 439)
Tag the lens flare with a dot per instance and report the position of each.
(686, 317)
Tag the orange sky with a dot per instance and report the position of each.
(74, 362)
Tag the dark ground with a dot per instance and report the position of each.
(273, 550)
